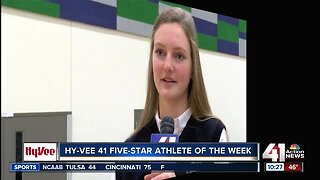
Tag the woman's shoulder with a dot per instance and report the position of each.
(206, 129)
(210, 122)
(144, 134)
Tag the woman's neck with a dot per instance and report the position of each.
(172, 108)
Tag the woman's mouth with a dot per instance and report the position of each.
(168, 80)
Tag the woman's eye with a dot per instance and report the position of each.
(159, 52)
(180, 57)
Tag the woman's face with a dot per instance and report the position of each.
(171, 58)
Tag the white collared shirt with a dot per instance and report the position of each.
(181, 121)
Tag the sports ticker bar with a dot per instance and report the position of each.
(137, 166)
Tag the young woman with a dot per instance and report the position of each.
(175, 88)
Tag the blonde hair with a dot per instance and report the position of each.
(197, 96)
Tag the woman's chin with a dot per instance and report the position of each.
(167, 96)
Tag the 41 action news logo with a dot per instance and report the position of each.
(278, 153)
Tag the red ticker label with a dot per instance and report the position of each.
(293, 167)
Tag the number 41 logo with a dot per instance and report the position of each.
(274, 152)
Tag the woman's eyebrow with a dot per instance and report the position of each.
(175, 48)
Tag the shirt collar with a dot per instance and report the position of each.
(179, 122)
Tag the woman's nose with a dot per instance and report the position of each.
(168, 65)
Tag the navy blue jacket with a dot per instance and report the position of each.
(194, 131)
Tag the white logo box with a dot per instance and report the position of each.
(40, 151)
